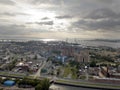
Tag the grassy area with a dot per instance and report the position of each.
(67, 71)
(70, 71)
(89, 84)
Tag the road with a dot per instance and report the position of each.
(63, 87)
(39, 70)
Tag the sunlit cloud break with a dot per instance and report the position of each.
(58, 19)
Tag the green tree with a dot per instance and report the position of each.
(58, 72)
(44, 85)
(93, 64)
(1, 80)
(38, 87)
(27, 81)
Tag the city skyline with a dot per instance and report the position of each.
(59, 19)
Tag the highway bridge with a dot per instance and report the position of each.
(68, 82)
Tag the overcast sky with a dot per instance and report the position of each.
(85, 19)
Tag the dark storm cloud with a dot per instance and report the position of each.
(103, 19)
(103, 25)
(7, 14)
(64, 17)
(40, 1)
(42, 23)
(104, 1)
(52, 2)
(103, 13)
(12, 29)
(11, 14)
(7, 2)
(45, 18)
(45, 23)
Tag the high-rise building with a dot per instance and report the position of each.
(82, 57)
